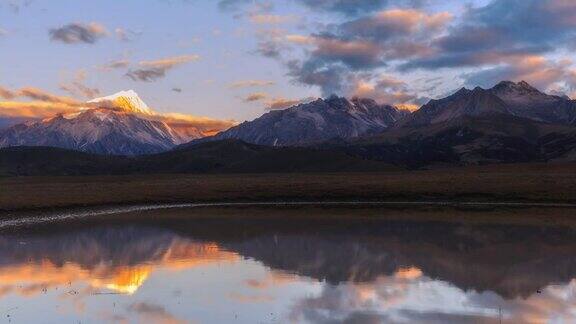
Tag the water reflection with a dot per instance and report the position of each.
(167, 268)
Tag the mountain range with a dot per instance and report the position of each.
(316, 122)
(511, 122)
(121, 124)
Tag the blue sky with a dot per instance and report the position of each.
(235, 59)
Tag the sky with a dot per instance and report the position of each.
(233, 60)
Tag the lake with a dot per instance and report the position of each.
(290, 265)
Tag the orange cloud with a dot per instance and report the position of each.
(46, 105)
(6, 94)
(283, 103)
(184, 124)
(251, 83)
(41, 95)
(272, 19)
(77, 87)
(255, 97)
(34, 109)
(168, 63)
(408, 20)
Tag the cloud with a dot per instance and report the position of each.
(283, 103)
(370, 42)
(385, 90)
(6, 93)
(343, 56)
(500, 30)
(78, 88)
(207, 126)
(178, 90)
(255, 97)
(535, 69)
(500, 39)
(267, 19)
(47, 105)
(168, 63)
(343, 7)
(34, 110)
(146, 75)
(3, 32)
(43, 104)
(118, 64)
(251, 83)
(150, 71)
(126, 35)
(395, 23)
(41, 95)
(76, 33)
(270, 48)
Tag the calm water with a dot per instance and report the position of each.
(285, 266)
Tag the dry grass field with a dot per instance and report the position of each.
(502, 183)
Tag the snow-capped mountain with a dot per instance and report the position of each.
(528, 102)
(464, 102)
(117, 124)
(506, 98)
(314, 122)
(127, 101)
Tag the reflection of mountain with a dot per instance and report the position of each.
(512, 261)
(106, 258)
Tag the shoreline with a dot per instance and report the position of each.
(509, 213)
(109, 209)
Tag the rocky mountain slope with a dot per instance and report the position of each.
(314, 122)
(506, 98)
(121, 124)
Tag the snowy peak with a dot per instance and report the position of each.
(315, 122)
(520, 88)
(126, 101)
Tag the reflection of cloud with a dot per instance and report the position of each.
(250, 299)
(152, 313)
(407, 297)
(274, 279)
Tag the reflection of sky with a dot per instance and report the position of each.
(186, 281)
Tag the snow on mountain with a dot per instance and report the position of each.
(506, 98)
(528, 102)
(127, 101)
(317, 121)
(120, 126)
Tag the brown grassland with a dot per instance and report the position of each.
(542, 183)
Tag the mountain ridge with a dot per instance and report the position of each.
(120, 124)
(314, 122)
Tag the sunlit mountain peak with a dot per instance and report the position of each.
(127, 101)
